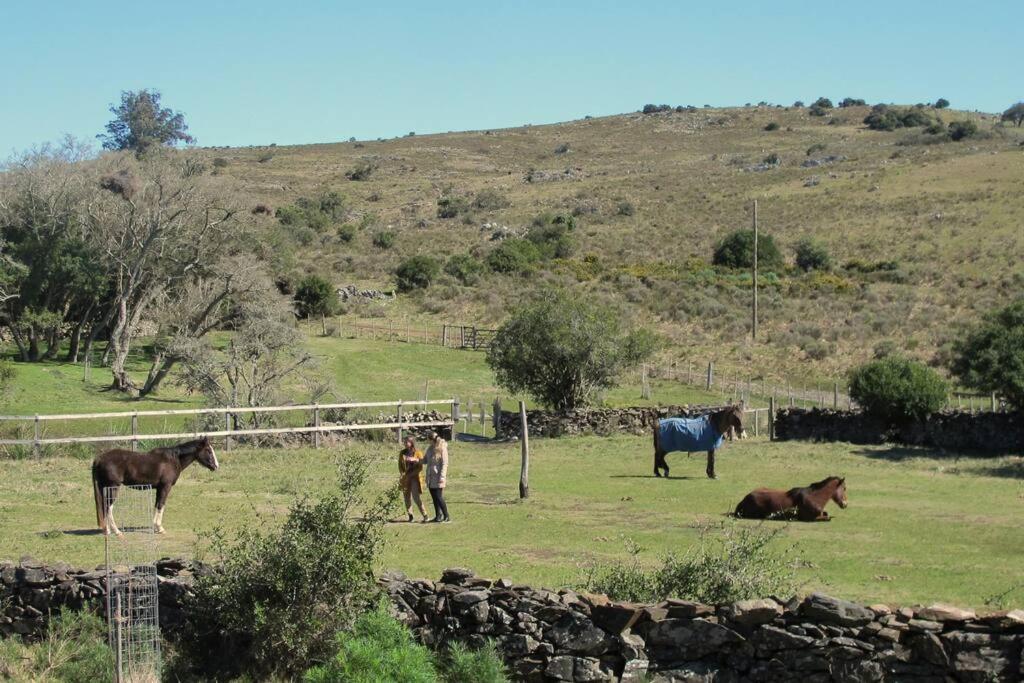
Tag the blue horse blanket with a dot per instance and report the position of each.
(688, 434)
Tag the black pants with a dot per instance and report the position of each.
(440, 507)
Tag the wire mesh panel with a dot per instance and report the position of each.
(132, 593)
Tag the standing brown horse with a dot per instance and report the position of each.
(809, 501)
(159, 468)
(703, 433)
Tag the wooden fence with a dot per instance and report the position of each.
(446, 334)
(314, 428)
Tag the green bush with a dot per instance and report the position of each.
(729, 562)
(991, 356)
(347, 232)
(488, 200)
(816, 147)
(961, 130)
(811, 255)
(377, 648)
(886, 118)
(7, 374)
(563, 350)
(465, 268)
(815, 110)
(897, 389)
(737, 251)
(74, 650)
(315, 296)
(416, 272)
(362, 171)
(823, 103)
(552, 240)
(463, 665)
(773, 125)
(513, 255)
(385, 239)
(277, 596)
(450, 207)
(220, 162)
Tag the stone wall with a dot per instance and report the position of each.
(951, 430)
(566, 636)
(596, 421)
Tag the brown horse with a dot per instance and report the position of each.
(696, 434)
(809, 501)
(159, 468)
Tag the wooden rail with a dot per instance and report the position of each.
(37, 441)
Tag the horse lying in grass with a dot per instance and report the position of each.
(159, 468)
(808, 501)
(690, 435)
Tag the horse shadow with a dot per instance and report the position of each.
(648, 476)
(82, 532)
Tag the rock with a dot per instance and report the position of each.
(928, 647)
(616, 617)
(529, 669)
(770, 639)
(519, 645)
(589, 669)
(691, 639)
(635, 671)
(687, 609)
(560, 668)
(890, 634)
(467, 598)
(1004, 619)
(392, 575)
(754, 612)
(578, 635)
(456, 575)
(694, 672)
(923, 625)
(880, 610)
(941, 612)
(829, 610)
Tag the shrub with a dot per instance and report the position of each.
(625, 208)
(941, 103)
(798, 104)
(362, 171)
(315, 296)
(816, 147)
(347, 232)
(276, 597)
(811, 255)
(991, 356)
(737, 251)
(852, 102)
(488, 200)
(655, 108)
(563, 350)
(463, 665)
(74, 650)
(7, 374)
(385, 239)
(562, 148)
(220, 162)
(886, 118)
(465, 268)
(772, 159)
(1014, 114)
(513, 256)
(450, 207)
(265, 157)
(773, 125)
(552, 239)
(815, 110)
(729, 562)
(897, 389)
(823, 103)
(416, 272)
(961, 130)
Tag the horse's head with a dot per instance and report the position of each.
(205, 455)
(839, 495)
(729, 422)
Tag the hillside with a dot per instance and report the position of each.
(924, 237)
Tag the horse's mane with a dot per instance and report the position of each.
(181, 448)
(821, 484)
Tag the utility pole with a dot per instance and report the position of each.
(753, 329)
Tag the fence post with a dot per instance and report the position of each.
(524, 467)
(400, 416)
(645, 388)
(456, 416)
(462, 336)
(35, 438)
(711, 374)
(227, 428)
(689, 373)
(771, 418)
(483, 419)
(408, 336)
(444, 335)
(757, 421)
(994, 403)
(135, 431)
(316, 425)
(426, 383)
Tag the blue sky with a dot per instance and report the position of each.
(299, 72)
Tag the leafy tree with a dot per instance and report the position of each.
(563, 350)
(1015, 114)
(140, 123)
(464, 268)
(852, 102)
(737, 251)
(315, 296)
(823, 103)
(941, 103)
(417, 272)
(513, 255)
(798, 104)
(897, 389)
(991, 356)
(811, 255)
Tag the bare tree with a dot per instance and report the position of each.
(159, 224)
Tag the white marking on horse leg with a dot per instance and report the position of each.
(213, 454)
(158, 521)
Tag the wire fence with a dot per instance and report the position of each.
(452, 336)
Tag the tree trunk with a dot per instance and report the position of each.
(118, 347)
(20, 343)
(76, 335)
(158, 371)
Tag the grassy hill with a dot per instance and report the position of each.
(924, 236)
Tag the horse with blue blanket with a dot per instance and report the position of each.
(691, 435)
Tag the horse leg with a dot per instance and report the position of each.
(711, 464)
(162, 491)
(808, 513)
(659, 455)
(108, 513)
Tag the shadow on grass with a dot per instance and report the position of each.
(975, 462)
(648, 476)
(81, 532)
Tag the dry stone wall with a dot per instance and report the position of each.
(567, 636)
(596, 421)
(953, 430)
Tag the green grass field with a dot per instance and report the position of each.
(920, 527)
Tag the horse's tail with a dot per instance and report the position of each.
(98, 498)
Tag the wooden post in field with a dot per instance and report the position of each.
(711, 374)
(35, 438)
(408, 336)
(994, 402)
(227, 428)
(771, 418)
(496, 416)
(524, 467)
(645, 388)
(753, 328)
(426, 384)
(483, 419)
(444, 334)
(400, 416)
(456, 416)
(391, 329)
(316, 425)
(135, 431)
(689, 373)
